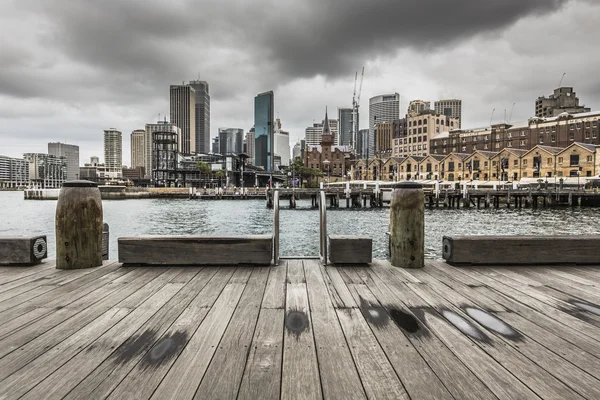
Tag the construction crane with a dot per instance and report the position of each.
(561, 79)
(355, 106)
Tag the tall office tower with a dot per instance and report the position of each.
(159, 126)
(263, 130)
(215, 145)
(250, 143)
(362, 144)
(564, 99)
(231, 140)
(183, 115)
(449, 108)
(282, 143)
(416, 107)
(202, 109)
(71, 152)
(113, 151)
(138, 148)
(382, 108)
(297, 152)
(345, 126)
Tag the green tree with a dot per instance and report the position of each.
(220, 175)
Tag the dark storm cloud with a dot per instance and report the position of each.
(157, 40)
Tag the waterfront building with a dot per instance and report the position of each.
(182, 106)
(159, 126)
(136, 175)
(564, 99)
(231, 141)
(138, 148)
(165, 159)
(506, 164)
(421, 129)
(374, 169)
(559, 131)
(282, 144)
(46, 171)
(345, 124)
(478, 165)
(71, 152)
(417, 107)
(113, 151)
(202, 116)
(390, 169)
(579, 159)
(263, 130)
(382, 108)
(250, 143)
(14, 172)
(452, 166)
(410, 168)
(429, 167)
(450, 108)
(540, 162)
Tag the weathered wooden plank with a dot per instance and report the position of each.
(456, 377)
(224, 374)
(276, 284)
(339, 377)
(61, 381)
(196, 250)
(186, 373)
(15, 250)
(338, 291)
(345, 249)
(521, 250)
(8, 274)
(143, 379)
(37, 276)
(300, 372)
(262, 375)
(415, 374)
(375, 371)
(101, 382)
(533, 375)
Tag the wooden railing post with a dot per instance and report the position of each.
(407, 226)
(79, 226)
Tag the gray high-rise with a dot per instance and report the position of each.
(345, 126)
(183, 115)
(231, 140)
(263, 130)
(71, 152)
(113, 151)
(382, 108)
(202, 109)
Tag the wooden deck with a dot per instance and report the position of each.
(299, 330)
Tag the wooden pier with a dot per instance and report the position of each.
(300, 330)
(354, 198)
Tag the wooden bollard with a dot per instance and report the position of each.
(79, 226)
(407, 226)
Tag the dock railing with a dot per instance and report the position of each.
(323, 226)
(276, 227)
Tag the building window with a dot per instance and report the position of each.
(509, 144)
(464, 148)
(560, 159)
(497, 145)
(420, 130)
(425, 146)
(425, 129)
(485, 164)
(589, 158)
(587, 134)
(516, 163)
(485, 146)
(549, 161)
(485, 138)
(553, 138)
(594, 134)
(494, 163)
(420, 122)
(559, 173)
(525, 163)
(571, 136)
(541, 138)
(522, 133)
(524, 174)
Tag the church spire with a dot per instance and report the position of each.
(326, 129)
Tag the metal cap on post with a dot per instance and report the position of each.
(407, 225)
(79, 226)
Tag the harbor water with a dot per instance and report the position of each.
(299, 228)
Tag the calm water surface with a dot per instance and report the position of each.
(299, 228)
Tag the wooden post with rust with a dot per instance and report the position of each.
(79, 226)
(407, 226)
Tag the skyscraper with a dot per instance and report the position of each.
(263, 130)
(450, 108)
(71, 152)
(382, 108)
(183, 115)
(282, 143)
(250, 143)
(345, 126)
(231, 140)
(202, 111)
(159, 126)
(138, 148)
(113, 152)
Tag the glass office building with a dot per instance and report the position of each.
(263, 128)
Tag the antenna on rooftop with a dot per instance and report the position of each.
(511, 112)
(561, 79)
(492, 117)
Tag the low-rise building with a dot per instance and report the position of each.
(14, 172)
(579, 159)
(478, 165)
(430, 167)
(410, 168)
(540, 162)
(506, 165)
(452, 167)
(46, 171)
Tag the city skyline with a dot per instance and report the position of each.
(59, 90)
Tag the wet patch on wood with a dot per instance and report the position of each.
(492, 323)
(465, 326)
(374, 314)
(296, 322)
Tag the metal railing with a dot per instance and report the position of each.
(276, 227)
(323, 226)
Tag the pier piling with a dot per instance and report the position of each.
(407, 226)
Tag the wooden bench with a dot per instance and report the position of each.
(521, 250)
(18, 250)
(345, 249)
(196, 250)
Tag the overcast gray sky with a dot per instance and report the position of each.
(69, 69)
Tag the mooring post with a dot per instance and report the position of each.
(79, 226)
(407, 226)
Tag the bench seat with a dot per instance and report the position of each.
(23, 250)
(345, 249)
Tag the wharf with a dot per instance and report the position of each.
(299, 330)
(511, 198)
